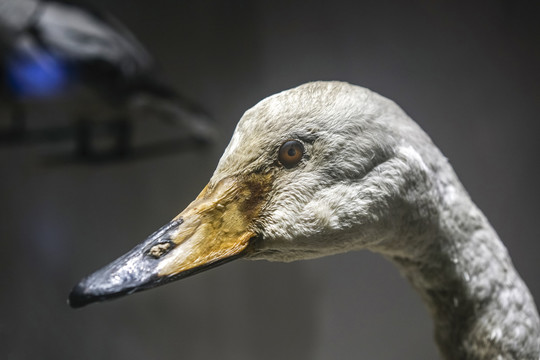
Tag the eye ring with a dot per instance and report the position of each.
(290, 153)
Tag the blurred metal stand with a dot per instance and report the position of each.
(86, 63)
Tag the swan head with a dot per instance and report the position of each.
(320, 169)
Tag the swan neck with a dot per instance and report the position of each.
(481, 307)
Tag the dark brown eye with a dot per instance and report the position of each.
(290, 153)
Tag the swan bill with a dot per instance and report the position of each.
(212, 230)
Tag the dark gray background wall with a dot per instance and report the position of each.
(468, 72)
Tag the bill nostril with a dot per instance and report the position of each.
(160, 249)
(162, 239)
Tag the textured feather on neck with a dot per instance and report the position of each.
(480, 306)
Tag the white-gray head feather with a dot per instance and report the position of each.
(371, 178)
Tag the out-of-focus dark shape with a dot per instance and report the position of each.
(89, 65)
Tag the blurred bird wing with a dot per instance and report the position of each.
(80, 34)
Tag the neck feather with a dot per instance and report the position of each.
(481, 307)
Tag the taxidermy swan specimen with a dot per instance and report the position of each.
(326, 168)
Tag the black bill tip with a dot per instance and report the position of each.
(83, 293)
(77, 297)
(134, 271)
(117, 279)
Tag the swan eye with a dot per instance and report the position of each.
(290, 153)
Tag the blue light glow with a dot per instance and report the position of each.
(38, 75)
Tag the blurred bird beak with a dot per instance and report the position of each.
(212, 230)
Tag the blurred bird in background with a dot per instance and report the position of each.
(86, 64)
